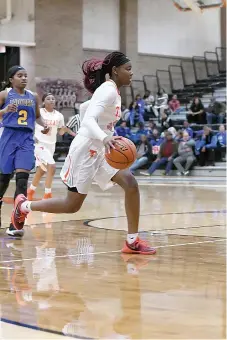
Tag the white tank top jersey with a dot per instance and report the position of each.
(54, 120)
(100, 114)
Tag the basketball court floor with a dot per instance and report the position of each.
(67, 276)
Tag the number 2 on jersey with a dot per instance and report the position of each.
(23, 115)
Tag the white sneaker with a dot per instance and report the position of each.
(186, 173)
(11, 231)
(143, 173)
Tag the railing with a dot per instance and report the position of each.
(171, 76)
(201, 72)
(167, 85)
(221, 53)
(137, 85)
(213, 61)
(145, 83)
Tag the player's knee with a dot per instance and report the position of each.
(52, 168)
(129, 182)
(21, 183)
(73, 207)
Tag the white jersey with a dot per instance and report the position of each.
(85, 161)
(54, 120)
(100, 114)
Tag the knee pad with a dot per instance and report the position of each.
(21, 183)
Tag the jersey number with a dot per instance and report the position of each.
(23, 115)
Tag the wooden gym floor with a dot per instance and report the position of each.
(68, 277)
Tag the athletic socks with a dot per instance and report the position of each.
(47, 190)
(131, 238)
(32, 187)
(26, 207)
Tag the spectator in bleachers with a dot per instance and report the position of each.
(167, 153)
(221, 136)
(186, 154)
(196, 113)
(136, 113)
(174, 104)
(125, 113)
(151, 127)
(141, 131)
(156, 141)
(173, 131)
(221, 143)
(215, 112)
(188, 129)
(205, 146)
(149, 102)
(123, 130)
(166, 122)
(144, 154)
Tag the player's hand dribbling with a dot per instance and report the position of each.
(10, 108)
(109, 142)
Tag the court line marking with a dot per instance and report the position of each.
(113, 251)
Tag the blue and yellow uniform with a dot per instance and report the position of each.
(16, 142)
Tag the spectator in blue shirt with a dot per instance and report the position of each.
(123, 130)
(136, 109)
(188, 129)
(205, 147)
(221, 136)
(141, 131)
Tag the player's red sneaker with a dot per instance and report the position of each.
(138, 247)
(18, 217)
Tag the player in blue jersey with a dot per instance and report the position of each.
(19, 110)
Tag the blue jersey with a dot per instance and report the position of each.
(25, 116)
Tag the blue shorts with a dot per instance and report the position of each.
(16, 150)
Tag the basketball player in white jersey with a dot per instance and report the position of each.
(86, 158)
(45, 145)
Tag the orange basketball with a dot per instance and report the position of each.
(124, 154)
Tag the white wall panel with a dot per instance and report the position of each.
(101, 24)
(164, 30)
(20, 30)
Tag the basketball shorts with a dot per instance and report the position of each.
(86, 163)
(16, 150)
(44, 154)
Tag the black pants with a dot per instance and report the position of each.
(207, 157)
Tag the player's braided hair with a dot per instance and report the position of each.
(95, 70)
(11, 72)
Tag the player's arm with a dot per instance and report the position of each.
(8, 108)
(96, 109)
(39, 118)
(64, 130)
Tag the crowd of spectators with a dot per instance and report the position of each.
(163, 145)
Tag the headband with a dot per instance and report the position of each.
(13, 70)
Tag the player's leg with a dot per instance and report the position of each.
(51, 168)
(133, 244)
(35, 182)
(4, 183)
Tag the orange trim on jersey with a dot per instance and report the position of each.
(115, 86)
(67, 172)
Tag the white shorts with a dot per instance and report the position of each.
(44, 154)
(86, 162)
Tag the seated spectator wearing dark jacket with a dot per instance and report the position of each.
(205, 146)
(196, 113)
(123, 130)
(166, 122)
(216, 112)
(144, 154)
(168, 151)
(174, 103)
(186, 154)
